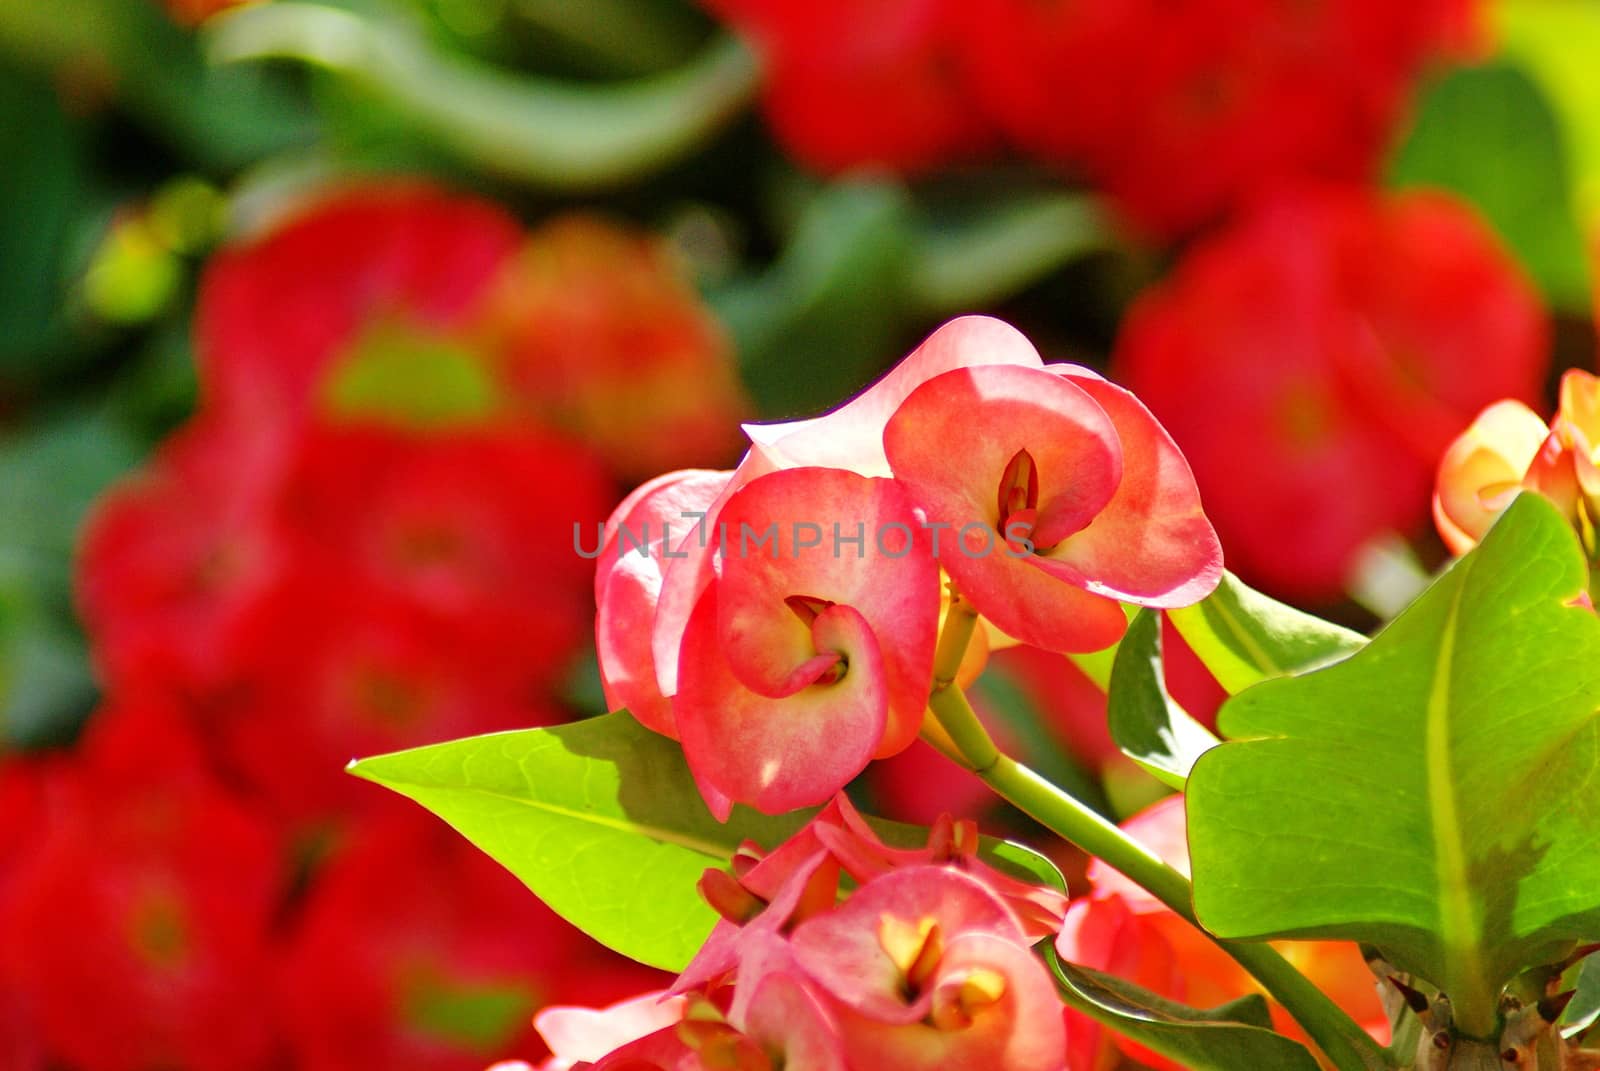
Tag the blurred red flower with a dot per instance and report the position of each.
(402, 302)
(138, 928)
(1315, 359)
(1183, 112)
(595, 329)
(870, 82)
(416, 952)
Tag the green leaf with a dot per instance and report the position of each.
(1146, 722)
(1431, 794)
(1490, 135)
(600, 818)
(1230, 1037)
(41, 194)
(1244, 637)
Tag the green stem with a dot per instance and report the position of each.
(1340, 1037)
(553, 134)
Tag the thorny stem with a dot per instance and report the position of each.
(1346, 1044)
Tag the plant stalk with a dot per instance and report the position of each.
(1344, 1042)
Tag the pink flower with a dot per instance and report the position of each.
(1061, 496)
(925, 968)
(808, 655)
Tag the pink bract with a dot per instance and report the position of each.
(807, 657)
(1061, 495)
(925, 968)
(642, 532)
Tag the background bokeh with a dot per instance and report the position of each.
(324, 323)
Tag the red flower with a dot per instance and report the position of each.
(870, 82)
(595, 329)
(1184, 112)
(402, 302)
(1314, 361)
(277, 313)
(137, 932)
(435, 594)
(418, 953)
(174, 556)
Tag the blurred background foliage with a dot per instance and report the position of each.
(133, 143)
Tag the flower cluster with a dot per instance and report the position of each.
(1316, 357)
(785, 630)
(1181, 111)
(359, 544)
(926, 964)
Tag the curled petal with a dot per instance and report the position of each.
(786, 1019)
(830, 537)
(778, 754)
(578, 1034)
(1152, 543)
(684, 579)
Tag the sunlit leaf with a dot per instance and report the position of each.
(1244, 637)
(1146, 722)
(1433, 793)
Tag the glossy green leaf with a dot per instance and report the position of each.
(600, 818)
(1245, 637)
(1490, 135)
(1149, 725)
(1231, 1037)
(1433, 793)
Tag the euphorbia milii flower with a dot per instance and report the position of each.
(925, 968)
(1061, 496)
(596, 328)
(812, 651)
(136, 929)
(850, 437)
(1509, 449)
